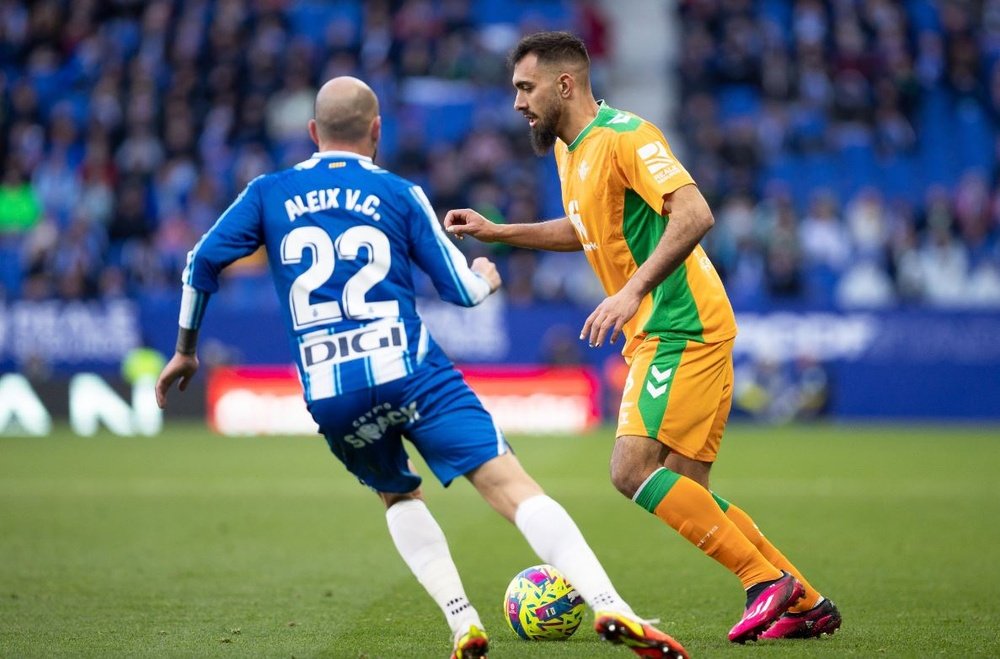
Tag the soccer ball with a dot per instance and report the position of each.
(540, 605)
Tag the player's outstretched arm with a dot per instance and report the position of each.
(552, 235)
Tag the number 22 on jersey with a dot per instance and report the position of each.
(325, 253)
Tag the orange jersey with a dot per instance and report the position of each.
(614, 177)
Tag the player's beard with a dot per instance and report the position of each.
(543, 133)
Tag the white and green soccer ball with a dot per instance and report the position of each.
(540, 605)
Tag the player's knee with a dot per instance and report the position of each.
(632, 459)
(624, 478)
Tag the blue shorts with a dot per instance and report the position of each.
(433, 407)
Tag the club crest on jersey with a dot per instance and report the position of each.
(324, 348)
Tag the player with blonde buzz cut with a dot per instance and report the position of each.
(639, 217)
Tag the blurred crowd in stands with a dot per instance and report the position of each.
(848, 147)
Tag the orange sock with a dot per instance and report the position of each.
(746, 526)
(690, 509)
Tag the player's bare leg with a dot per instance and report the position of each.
(696, 470)
(504, 484)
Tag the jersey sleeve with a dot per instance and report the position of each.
(647, 165)
(237, 233)
(436, 255)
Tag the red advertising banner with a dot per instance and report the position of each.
(257, 400)
(267, 400)
(538, 399)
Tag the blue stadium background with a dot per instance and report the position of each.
(848, 148)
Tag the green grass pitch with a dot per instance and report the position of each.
(193, 545)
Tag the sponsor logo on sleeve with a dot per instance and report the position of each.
(658, 161)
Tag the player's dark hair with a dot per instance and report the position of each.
(550, 48)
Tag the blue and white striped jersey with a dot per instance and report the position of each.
(341, 236)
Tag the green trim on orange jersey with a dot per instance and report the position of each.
(656, 488)
(616, 120)
(722, 502)
(656, 384)
(583, 133)
(674, 310)
(608, 117)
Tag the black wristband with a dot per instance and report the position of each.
(187, 341)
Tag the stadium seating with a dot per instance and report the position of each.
(133, 125)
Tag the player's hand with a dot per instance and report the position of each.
(467, 222)
(179, 366)
(609, 317)
(485, 268)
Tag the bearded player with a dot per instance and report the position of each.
(638, 217)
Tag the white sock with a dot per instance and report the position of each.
(554, 536)
(421, 542)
